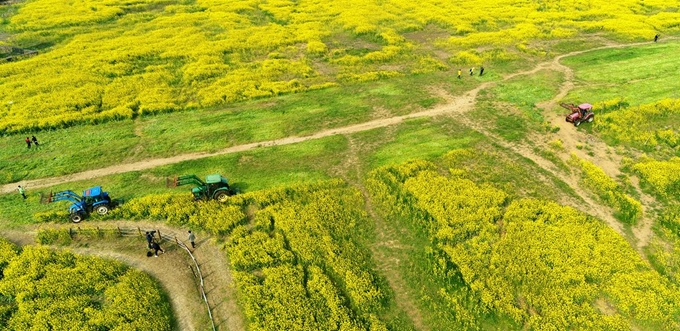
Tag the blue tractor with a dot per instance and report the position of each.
(93, 199)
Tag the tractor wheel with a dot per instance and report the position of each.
(221, 196)
(76, 217)
(577, 123)
(102, 209)
(590, 119)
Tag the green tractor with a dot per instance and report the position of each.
(214, 187)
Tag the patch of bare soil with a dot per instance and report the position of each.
(605, 306)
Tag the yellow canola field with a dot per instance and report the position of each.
(538, 264)
(111, 59)
(45, 289)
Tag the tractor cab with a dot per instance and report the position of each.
(218, 187)
(216, 181)
(95, 196)
(585, 107)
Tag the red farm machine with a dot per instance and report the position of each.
(579, 114)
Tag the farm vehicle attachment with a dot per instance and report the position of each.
(214, 187)
(93, 199)
(579, 114)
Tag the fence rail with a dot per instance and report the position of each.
(161, 236)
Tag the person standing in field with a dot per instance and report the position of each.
(472, 71)
(35, 141)
(149, 239)
(22, 192)
(481, 71)
(656, 37)
(192, 239)
(459, 72)
(28, 143)
(156, 247)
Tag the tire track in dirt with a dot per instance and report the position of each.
(170, 269)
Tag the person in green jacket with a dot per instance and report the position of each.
(22, 192)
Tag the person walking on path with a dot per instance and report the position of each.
(35, 141)
(656, 37)
(22, 192)
(192, 239)
(459, 72)
(156, 247)
(481, 71)
(149, 239)
(28, 142)
(472, 71)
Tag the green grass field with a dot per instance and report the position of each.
(638, 75)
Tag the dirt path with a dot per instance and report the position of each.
(170, 269)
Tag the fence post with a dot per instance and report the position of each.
(139, 231)
(160, 238)
(120, 233)
(70, 232)
(176, 241)
(192, 271)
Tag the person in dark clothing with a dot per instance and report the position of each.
(192, 239)
(35, 141)
(149, 239)
(28, 142)
(481, 71)
(472, 71)
(656, 37)
(156, 247)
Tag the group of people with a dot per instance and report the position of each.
(472, 71)
(156, 247)
(32, 140)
